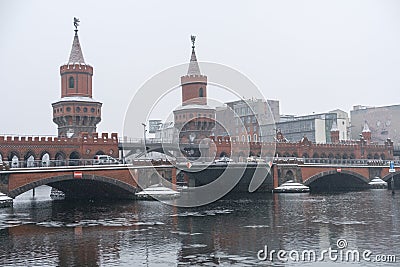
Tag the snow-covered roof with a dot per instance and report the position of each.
(77, 98)
(195, 106)
(366, 128)
(76, 55)
(194, 68)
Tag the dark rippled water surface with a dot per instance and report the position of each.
(231, 231)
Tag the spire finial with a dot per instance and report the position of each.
(76, 24)
(193, 38)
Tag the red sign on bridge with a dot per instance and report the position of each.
(78, 175)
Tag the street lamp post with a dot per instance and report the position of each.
(144, 139)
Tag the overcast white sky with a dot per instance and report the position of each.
(312, 56)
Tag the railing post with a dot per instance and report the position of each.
(173, 178)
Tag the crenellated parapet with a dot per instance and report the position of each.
(85, 146)
(304, 148)
(187, 79)
(76, 67)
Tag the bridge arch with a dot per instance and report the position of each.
(44, 152)
(60, 155)
(388, 176)
(159, 149)
(74, 155)
(28, 154)
(12, 154)
(289, 175)
(223, 154)
(337, 181)
(95, 187)
(60, 158)
(396, 177)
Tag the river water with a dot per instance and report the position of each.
(233, 231)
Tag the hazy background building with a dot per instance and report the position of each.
(242, 119)
(315, 127)
(383, 122)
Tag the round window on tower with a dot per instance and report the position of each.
(68, 109)
(78, 109)
(92, 110)
(85, 109)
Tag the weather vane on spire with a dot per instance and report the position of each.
(193, 38)
(76, 23)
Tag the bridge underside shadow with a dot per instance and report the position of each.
(337, 182)
(97, 187)
(220, 176)
(396, 178)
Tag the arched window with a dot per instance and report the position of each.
(201, 93)
(71, 82)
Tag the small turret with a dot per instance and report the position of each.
(334, 133)
(76, 111)
(366, 133)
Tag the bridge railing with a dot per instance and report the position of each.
(333, 161)
(49, 163)
(7, 165)
(125, 140)
(148, 161)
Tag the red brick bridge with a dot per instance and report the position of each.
(102, 181)
(121, 181)
(336, 176)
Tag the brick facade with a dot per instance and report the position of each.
(85, 147)
(304, 149)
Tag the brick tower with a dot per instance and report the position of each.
(76, 111)
(194, 120)
(335, 135)
(366, 133)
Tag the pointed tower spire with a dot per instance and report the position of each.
(366, 128)
(76, 55)
(194, 68)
